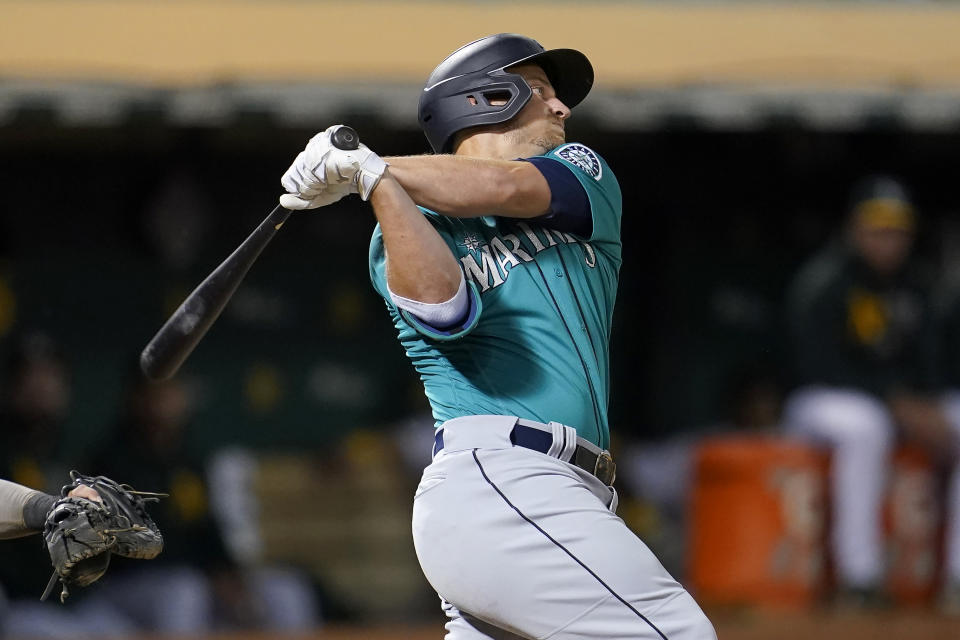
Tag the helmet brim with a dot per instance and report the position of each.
(568, 70)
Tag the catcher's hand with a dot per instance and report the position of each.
(82, 533)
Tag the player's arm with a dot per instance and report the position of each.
(422, 274)
(469, 187)
(539, 188)
(452, 185)
(420, 265)
(24, 510)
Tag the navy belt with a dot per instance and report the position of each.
(599, 464)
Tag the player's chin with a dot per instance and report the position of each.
(550, 142)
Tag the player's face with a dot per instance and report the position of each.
(540, 122)
(884, 250)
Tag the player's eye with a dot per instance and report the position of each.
(537, 90)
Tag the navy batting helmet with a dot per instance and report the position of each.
(478, 71)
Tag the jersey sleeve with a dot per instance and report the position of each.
(378, 277)
(600, 185)
(569, 204)
(13, 500)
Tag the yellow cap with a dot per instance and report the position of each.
(885, 213)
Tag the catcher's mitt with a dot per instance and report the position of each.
(81, 534)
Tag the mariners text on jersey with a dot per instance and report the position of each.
(488, 264)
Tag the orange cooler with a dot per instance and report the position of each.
(913, 523)
(758, 522)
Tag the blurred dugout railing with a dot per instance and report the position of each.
(731, 65)
(94, 104)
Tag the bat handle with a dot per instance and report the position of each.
(345, 138)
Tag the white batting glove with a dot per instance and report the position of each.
(321, 166)
(307, 176)
(328, 195)
(361, 166)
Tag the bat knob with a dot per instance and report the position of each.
(345, 138)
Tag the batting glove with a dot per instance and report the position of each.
(361, 166)
(329, 195)
(306, 176)
(314, 178)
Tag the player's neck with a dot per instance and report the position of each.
(496, 146)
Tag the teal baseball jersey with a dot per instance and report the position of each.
(536, 341)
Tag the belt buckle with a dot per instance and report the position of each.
(605, 469)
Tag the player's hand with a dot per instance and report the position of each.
(321, 166)
(328, 195)
(307, 176)
(361, 166)
(84, 491)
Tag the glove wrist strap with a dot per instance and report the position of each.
(36, 509)
(369, 175)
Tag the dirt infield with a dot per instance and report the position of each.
(828, 626)
(730, 626)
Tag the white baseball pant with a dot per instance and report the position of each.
(859, 430)
(519, 544)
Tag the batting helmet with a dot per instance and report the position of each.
(478, 71)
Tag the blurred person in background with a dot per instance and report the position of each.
(36, 402)
(195, 585)
(250, 592)
(858, 317)
(146, 449)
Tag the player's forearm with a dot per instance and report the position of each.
(420, 265)
(470, 187)
(22, 510)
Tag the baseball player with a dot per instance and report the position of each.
(859, 317)
(498, 260)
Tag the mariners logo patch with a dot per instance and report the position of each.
(470, 242)
(582, 157)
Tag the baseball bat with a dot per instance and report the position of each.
(179, 335)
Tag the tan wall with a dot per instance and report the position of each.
(191, 42)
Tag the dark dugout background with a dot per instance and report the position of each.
(106, 227)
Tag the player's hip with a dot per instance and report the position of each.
(461, 474)
(472, 502)
(553, 440)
